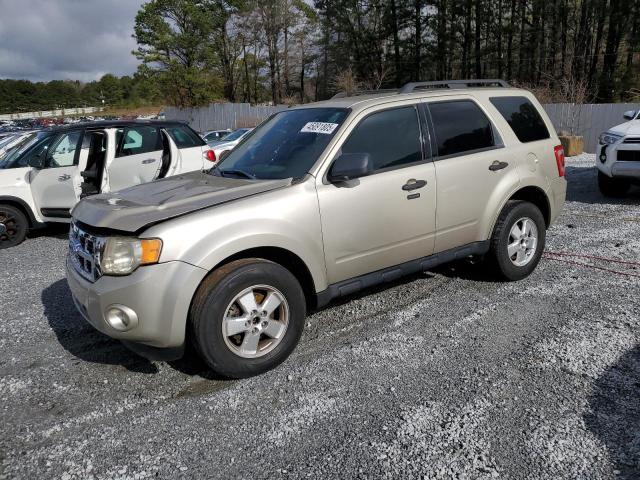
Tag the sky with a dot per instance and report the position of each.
(42, 40)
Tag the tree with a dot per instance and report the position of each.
(174, 44)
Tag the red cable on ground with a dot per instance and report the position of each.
(593, 257)
(551, 255)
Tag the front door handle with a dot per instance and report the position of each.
(64, 178)
(148, 160)
(495, 166)
(413, 184)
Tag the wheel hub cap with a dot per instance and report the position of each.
(523, 242)
(255, 321)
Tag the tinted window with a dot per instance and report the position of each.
(460, 126)
(285, 146)
(391, 138)
(137, 140)
(522, 117)
(235, 135)
(63, 152)
(184, 137)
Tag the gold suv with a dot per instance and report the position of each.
(318, 202)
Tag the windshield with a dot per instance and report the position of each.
(19, 155)
(285, 146)
(236, 134)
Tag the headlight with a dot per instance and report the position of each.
(122, 255)
(609, 138)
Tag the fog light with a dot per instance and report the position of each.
(121, 318)
(603, 158)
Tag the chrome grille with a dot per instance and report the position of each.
(84, 252)
(632, 140)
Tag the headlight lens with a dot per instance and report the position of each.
(609, 138)
(122, 255)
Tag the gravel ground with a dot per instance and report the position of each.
(443, 375)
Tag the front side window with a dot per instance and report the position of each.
(63, 152)
(391, 138)
(460, 127)
(138, 140)
(287, 145)
(522, 117)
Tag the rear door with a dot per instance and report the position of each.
(192, 149)
(138, 156)
(471, 163)
(52, 187)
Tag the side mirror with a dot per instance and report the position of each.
(349, 166)
(630, 115)
(37, 161)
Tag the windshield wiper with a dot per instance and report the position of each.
(241, 173)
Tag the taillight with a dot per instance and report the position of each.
(559, 153)
(210, 155)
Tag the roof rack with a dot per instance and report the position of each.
(412, 86)
(365, 92)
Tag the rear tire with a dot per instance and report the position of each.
(612, 187)
(247, 317)
(518, 240)
(14, 226)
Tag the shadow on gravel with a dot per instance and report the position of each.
(466, 270)
(582, 187)
(55, 230)
(81, 339)
(614, 415)
(88, 344)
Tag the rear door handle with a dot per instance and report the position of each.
(64, 178)
(413, 184)
(495, 166)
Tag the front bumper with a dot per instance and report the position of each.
(159, 294)
(619, 160)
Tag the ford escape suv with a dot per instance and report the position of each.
(42, 179)
(318, 202)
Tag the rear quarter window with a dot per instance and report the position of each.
(184, 137)
(523, 118)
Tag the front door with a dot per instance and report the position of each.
(52, 187)
(373, 222)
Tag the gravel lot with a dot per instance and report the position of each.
(443, 375)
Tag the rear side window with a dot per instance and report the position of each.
(138, 140)
(522, 117)
(184, 137)
(390, 137)
(460, 127)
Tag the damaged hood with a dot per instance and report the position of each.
(133, 208)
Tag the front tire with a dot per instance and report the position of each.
(14, 226)
(518, 240)
(247, 317)
(612, 187)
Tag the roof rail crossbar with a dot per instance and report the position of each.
(493, 82)
(365, 92)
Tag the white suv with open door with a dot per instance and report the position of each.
(43, 179)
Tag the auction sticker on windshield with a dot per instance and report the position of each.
(319, 127)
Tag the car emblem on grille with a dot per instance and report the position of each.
(75, 246)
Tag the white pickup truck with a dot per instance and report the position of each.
(43, 179)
